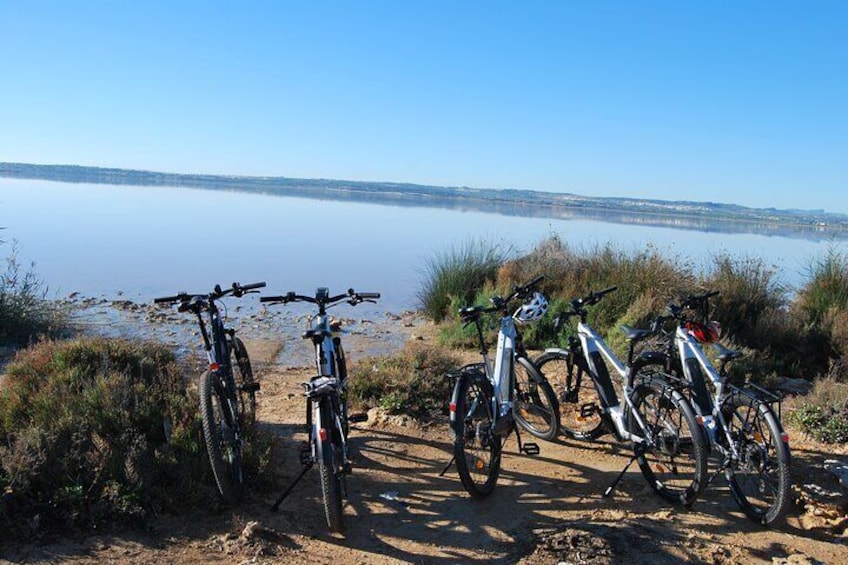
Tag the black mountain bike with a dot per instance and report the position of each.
(227, 388)
(326, 402)
(491, 397)
(742, 423)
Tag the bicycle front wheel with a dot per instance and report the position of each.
(330, 468)
(579, 404)
(760, 478)
(673, 455)
(247, 385)
(536, 408)
(220, 431)
(476, 449)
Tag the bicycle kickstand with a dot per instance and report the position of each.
(528, 448)
(280, 500)
(638, 450)
(445, 470)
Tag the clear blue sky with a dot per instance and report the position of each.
(743, 102)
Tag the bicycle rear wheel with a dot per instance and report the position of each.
(330, 467)
(476, 449)
(579, 403)
(247, 385)
(536, 408)
(760, 479)
(674, 457)
(220, 431)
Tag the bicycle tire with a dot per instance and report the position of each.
(243, 376)
(329, 469)
(221, 446)
(675, 466)
(476, 450)
(580, 412)
(761, 481)
(535, 407)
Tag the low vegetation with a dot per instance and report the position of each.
(97, 431)
(25, 312)
(411, 381)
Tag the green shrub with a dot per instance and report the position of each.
(25, 312)
(100, 430)
(459, 273)
(411, 381)
(823, 414)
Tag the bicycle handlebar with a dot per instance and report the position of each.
(469, 312)
(351, 296)
(236, 290)
(578, 305)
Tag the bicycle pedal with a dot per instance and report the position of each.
(356, 418)
(588, 410)
(250, 387)
(530, 449)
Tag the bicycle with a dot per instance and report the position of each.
(655, 416)
(488, 399)
(227, 401)
(739, 421)
(327, 419)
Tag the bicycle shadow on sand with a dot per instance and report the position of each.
(399, 505)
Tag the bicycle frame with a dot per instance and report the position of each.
(594, 350)
(501, 375)
(325, 383)
(695, 366)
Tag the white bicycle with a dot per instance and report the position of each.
(490, 398)
(741, 423)
(655, 417)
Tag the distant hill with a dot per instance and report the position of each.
(507, 201)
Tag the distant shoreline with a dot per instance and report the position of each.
(703, 216)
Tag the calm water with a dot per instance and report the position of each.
(145, 241)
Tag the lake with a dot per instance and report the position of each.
(102, 240)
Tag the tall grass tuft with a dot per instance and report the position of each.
(25, 312)
(827, 288)
(751, 298)
(460, 272)
(95, 431)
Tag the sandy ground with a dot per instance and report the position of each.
(545, 509)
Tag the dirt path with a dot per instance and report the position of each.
(546, 509)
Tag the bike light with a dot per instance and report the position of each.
(479, 464)
(784, 437)
(322, 433)
(452, 406)
(214, 366)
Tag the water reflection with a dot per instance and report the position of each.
(148, 241)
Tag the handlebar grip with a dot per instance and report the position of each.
(535, 281)
(252, 285)
(272, 298)
(607, 290)
(368, 295)
(163, 299)
(712, 293)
